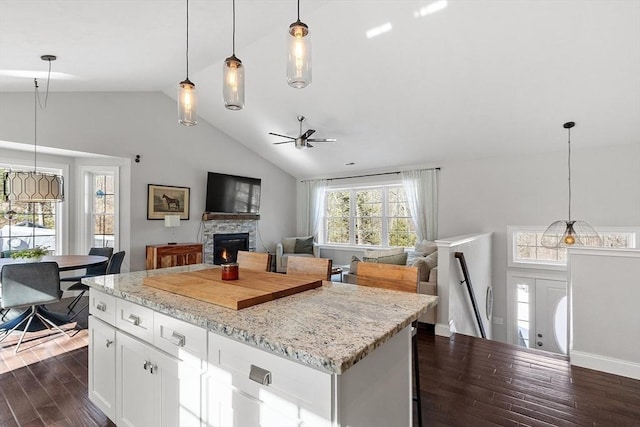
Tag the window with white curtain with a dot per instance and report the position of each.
(368, 216)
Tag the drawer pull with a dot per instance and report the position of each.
(177, 339)
(109, 342)
(133, 319)
(146, 364)
(101, 306)
(259, 375)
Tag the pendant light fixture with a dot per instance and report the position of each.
(21, 186)
(570, 232)
(233, 75)
(299, 51)
(187, 99)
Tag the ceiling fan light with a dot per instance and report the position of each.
(187, 103)
(299, 55)
(233, 83)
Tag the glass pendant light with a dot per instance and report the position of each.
(570, 232)
(187, 98)
(34, 186)
(299, 51)
(233, 75)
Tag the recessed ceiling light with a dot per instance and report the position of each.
(376, 31)
(430, 8)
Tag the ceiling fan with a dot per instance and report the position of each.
(303, 140)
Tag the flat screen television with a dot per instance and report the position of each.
(232, 194)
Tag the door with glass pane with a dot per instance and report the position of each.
(538, 313)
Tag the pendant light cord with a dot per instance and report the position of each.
(233, 33)
(187, 52)
(298, 10)
(36, 102)
(569, 167)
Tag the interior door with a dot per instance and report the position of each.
(551, 323)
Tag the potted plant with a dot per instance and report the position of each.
(30, 255)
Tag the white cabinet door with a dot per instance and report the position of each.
(134, 383)
(148, 385)
(102, 366)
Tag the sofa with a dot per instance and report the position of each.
(296, 246)
(424, 256)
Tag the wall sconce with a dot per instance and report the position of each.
(172, 221)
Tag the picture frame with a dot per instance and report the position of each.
(167, 200)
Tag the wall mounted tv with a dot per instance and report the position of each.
(232, 194)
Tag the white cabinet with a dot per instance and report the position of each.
(102, 366)
(245, 386)
(147, 384)
(145, 368)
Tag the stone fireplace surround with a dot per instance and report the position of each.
(227, 223)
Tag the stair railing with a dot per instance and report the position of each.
(472, 296)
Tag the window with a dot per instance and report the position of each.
(99, 215)
(26, 225)
(526, 250)
(103, 214)
(368, 216)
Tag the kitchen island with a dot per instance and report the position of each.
(335, 355)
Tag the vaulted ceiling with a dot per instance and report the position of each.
(450, 80)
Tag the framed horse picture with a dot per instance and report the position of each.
(167, 200)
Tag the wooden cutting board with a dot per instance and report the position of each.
(252, 287)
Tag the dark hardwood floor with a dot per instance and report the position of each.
(465, 381)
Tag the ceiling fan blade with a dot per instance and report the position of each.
(283, 142)
(307, 134)
(322, 140)
(283, 136)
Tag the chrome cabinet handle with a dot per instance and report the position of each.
(146, 364)
(177, 339)
(150, 366)
(101, 306)
(259, 375)
(109, 342)
(133, 319)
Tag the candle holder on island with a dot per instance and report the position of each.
(230, 271)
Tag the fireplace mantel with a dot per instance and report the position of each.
(212, 216)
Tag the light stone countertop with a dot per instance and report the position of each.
(329, 328)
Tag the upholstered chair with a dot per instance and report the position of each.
(298, 246)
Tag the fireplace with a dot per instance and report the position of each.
(227, 245)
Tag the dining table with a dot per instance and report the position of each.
(65, 263)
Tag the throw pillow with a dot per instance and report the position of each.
(377, 253)
(426, 247)
(304, 246)
(412, 256)
(397, 259)
(432, 260)
(353, 268)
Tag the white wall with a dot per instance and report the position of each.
(487, 195)
(126, 124)
(604, 316)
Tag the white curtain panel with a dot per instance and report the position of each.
(421, 187)
(310, 206)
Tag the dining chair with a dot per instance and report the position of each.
(113, 267)
(254, 260)
(312, 268)
(397, 278)
(30, 285)
(97, 270)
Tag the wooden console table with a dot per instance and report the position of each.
(161, 256)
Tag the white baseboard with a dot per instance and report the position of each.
(605, 364)
(442, 330)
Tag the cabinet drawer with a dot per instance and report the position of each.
(173, 335)
(135, 319)
(307, 389)
(103, 306)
